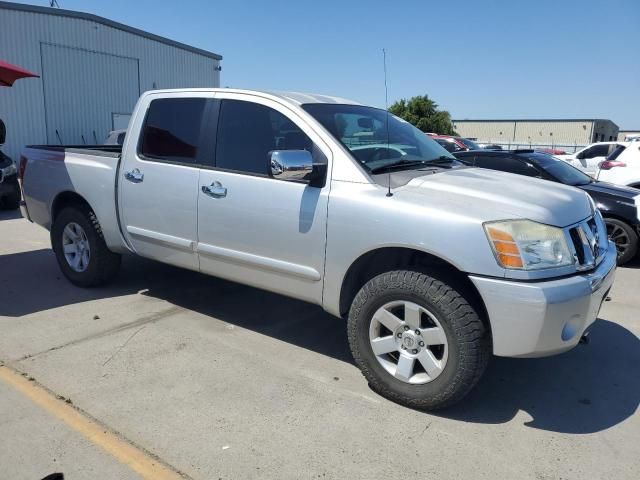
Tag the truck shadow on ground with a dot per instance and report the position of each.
(10, 214)
(589, 389)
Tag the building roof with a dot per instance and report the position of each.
(535, 120)
(105, 21)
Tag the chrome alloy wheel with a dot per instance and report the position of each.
(618, 236)
(409, 342)
(75, 246)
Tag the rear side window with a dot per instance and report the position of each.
(171, 130)
(616, 153)
(248, 131)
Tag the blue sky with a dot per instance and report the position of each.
(477, 59)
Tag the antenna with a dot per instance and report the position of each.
(386, 109)
(54, 3)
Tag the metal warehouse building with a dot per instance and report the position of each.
(545, 132)
(92, 71)
(622, 134)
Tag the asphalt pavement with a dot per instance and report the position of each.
(220, 381)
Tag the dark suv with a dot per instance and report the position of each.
(9, 188)
(619, 205)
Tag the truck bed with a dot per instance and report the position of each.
(102, 150)
(55, 173)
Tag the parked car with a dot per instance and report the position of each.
(620, 206)
(454, 144)
(9, 187)
(589, 157)
(551, 151)
(622, 166)
(426, 259)
(115, 137)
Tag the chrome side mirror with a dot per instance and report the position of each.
(296, 165)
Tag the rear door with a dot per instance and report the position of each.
(158, 184)
(252, 228)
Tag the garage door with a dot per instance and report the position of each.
(82, 89)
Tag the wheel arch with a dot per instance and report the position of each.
(385, 259)
(66, 199)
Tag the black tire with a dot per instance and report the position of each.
(103, 264)
(625, 238)
(469, 340)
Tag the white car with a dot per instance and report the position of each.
(115, 137)
(622, 166)
(589, 157)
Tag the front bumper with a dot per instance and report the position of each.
(537, 319)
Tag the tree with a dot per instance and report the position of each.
(423, 113)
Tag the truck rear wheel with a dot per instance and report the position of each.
(417, 340)
(80, 249)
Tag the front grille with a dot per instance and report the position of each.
(589, 242)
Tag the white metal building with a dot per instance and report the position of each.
(569, 133)
(623, 134)
(92, 71)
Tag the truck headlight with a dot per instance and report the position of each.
(10, 170)
(528, 245)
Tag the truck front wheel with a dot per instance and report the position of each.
(417, 340)
(80, 249)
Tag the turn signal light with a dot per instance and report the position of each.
(506, 248)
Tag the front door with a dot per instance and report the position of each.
(158, 184)
(252, 228)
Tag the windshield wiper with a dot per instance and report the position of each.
(442, 160)
(398, 164)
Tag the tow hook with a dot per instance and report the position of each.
(584, 339)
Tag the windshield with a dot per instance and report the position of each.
(363, 131)
(471, 145)
(561, 170)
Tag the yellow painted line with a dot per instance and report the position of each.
(137, 460)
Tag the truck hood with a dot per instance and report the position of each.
(491, 195)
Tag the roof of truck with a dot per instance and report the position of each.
(297, 98)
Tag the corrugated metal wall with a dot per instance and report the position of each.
(101, 66)
(547, 133)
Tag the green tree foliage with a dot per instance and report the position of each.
(423, 113)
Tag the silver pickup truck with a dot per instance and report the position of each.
(435, 265)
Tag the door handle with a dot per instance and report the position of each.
(215, 190)
(135, 176)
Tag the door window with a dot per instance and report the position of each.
(596, 151)
(171, 131)
(248, 131)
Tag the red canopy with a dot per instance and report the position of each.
(10, 73)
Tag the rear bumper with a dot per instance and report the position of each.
(9, 185)
(538, 319)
